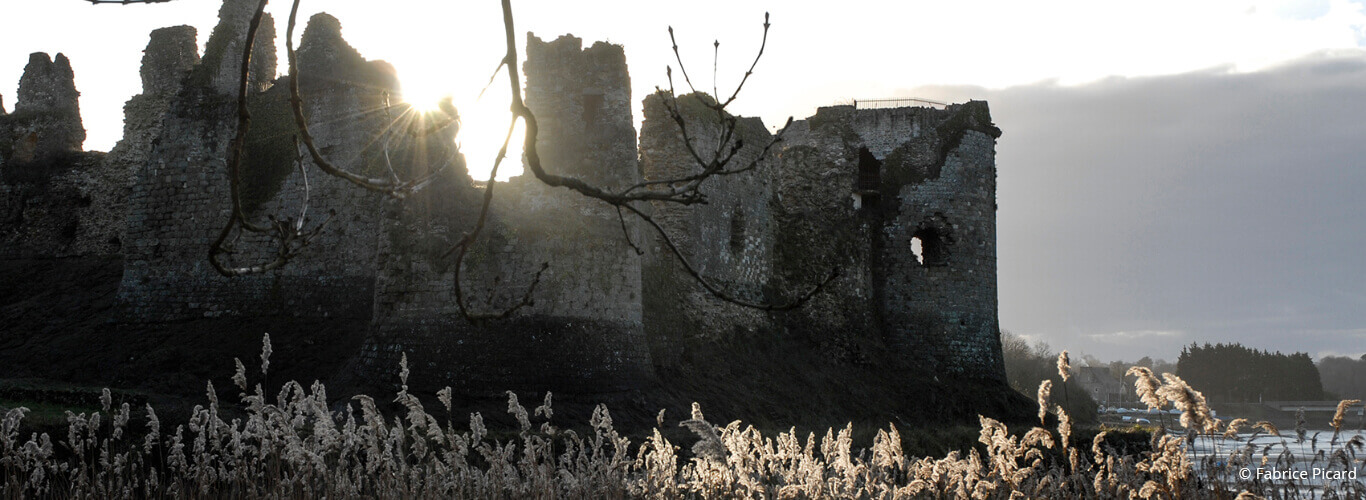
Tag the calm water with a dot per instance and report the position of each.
(1307, 463)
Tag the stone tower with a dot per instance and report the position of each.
(934, 265)
(729, 239)
(583, 332)
(901, 201)
(46, 122)
(180, 200)
(49, 189)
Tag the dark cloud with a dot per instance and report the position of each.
(1140, 214)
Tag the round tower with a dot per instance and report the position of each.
(936, 254)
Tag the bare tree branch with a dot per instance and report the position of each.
(291, 237)
(288, 233)
(684, 191)
(390, 187)
(762, 44)
(679, 58)
(626, 233)
(463, 246)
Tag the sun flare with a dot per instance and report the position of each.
(483, 124)
(423, 98)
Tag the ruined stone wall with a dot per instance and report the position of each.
(55, 199)
(938, 198)
(221, 66)
(729, 239)
(170, 54)
(44, 210)
(346, 107)
(864, 192)
(180, 201)
(901, 202)
(819, 229)
(46, 123)
(584, 332)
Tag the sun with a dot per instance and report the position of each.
(423, 98)
(483, 123)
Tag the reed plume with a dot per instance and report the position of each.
(1146, 385)
(299, 445)
(1342, 412)
(1268, 427)
(1045, 390)
(1195, 412)
(1233, 427)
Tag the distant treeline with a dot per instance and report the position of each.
(1027, 366)
(1235, 374)
(1343, 378)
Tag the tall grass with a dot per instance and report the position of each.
(295, 445)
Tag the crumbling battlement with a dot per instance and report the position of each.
(921, 183)
(730, 239)
(180, 200)
(221, 66)
(46, 122)
(584, 331)
(900, 202)
(52, 194)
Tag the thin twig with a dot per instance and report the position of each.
(625, 233)
(721, 294)
(462, 247)
(289, 234)
(679, 58)
(386, 186)
(762, 44)
(688, 194)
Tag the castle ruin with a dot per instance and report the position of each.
(900, 202)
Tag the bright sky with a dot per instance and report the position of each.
(819, 53)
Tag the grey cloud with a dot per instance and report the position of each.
(1227, 206)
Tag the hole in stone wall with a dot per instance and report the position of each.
(737, 233)
(592, 108)
(929, 248)
(869, 179)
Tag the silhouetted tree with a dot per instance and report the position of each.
(1027, 366)
(1344, 377)
(1234, 373)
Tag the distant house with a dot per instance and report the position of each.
(1100, 384)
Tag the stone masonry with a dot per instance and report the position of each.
(730, 239)
(584, 332)
(923, 181)
(46, 121)
(899, 202)
(53, 195)
(180, 201)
